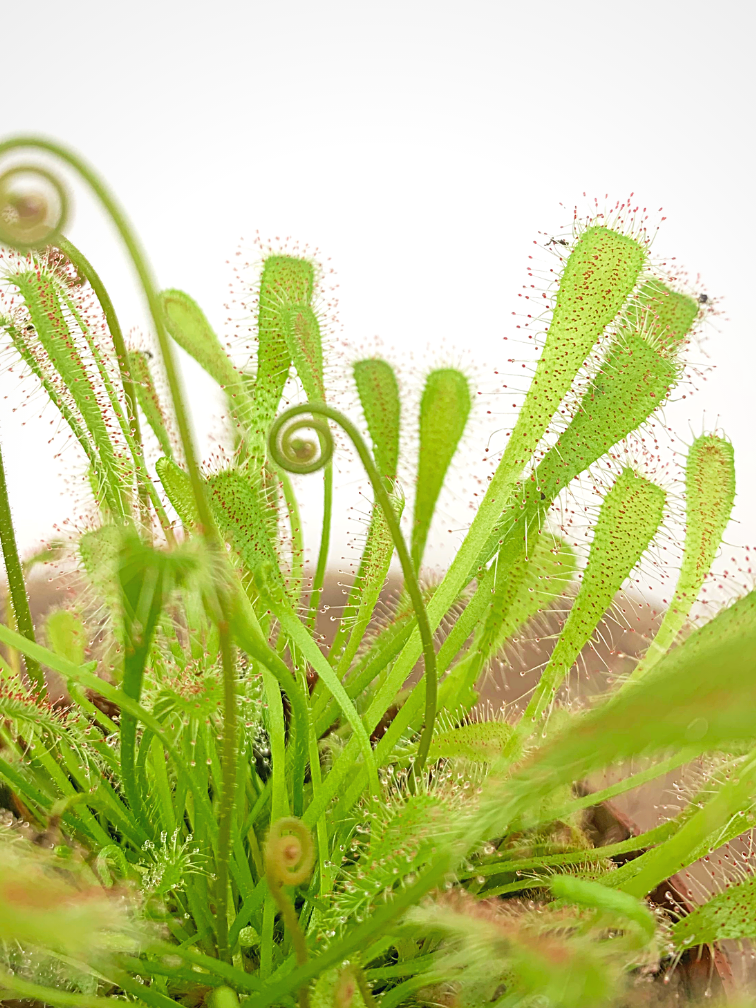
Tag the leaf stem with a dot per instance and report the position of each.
(17, 588)
(408, 568)
(325, 541)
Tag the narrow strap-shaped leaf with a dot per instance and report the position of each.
(548, 572)
(58, 399)
(149, 400)
(444, 409)
(178, 489)
(98, 551)
(378, 390)
(286, 283)
(695, 837)
(25, 989)
(664, 316)
(187, 324)
(528, 587)
(629, 518)
(244, 519)
(301, 331)
(19, 599)
(610, 902)
(634, 378)
(66, 634)
(249, 637)
(55, 337)
(710, 495)
(374, 568)
(481, 741)
(142, 578)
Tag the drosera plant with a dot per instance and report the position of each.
(289, 823)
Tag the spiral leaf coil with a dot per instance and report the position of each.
(31, 214)
(289, 853)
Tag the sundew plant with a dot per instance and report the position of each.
(223, 809)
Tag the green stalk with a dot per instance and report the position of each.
(276, 600)
(325, 541)
(19, 600)
(325, 880)
(279, 431)
(298, 940)
(297, 542)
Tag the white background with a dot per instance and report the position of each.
(420, 145)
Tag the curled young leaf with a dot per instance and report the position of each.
(289, 853)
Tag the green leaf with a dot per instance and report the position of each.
(149, 400)
(379, 397)
(378, 390)
(482, 741)
(66, 635)
(187, 324)
(245, 519)
(287, 283)
(444, 409)
(404, 835)
(599, 275)
(633, 379)
(528, 588)
(98, 551)
(301, 330)
(710, 495)
(43, 295)
(728, 916)
(630, 516)
(146, 577)
(178, 489)
(665, 317)
(369, 582)
(337, 988)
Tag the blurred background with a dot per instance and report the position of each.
(421, 148)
